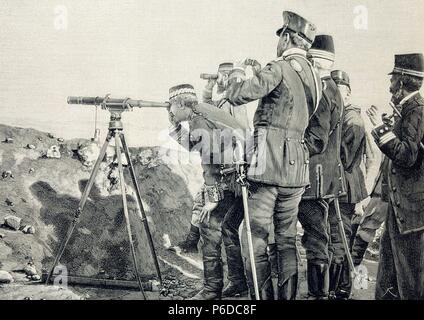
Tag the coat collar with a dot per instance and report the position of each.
(293, 51)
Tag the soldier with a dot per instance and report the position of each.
(323, 138)
(222, 209)
(353, 144)
(289, 92)
(400, 272)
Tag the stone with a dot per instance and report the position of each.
(50, 135)
(13, 222)
(9, 202)
(5, 277)
(30, 270)
(30, 146)
(8, 140)
(28, 230)
(53, 152)
(36, 277)
(1, 235)
(60, 140)
(31, 170)
(7, 174)
(88, 153)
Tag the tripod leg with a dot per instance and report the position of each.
(125, 205)
(141, 213)
(81, 205)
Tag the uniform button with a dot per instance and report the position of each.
(381, 131)
(393, 171)
(397, 204)
(401, 220)
(291, 162)
(386, 128)
(307, 161)
(288, 139)
(302, 141)
(394, 189)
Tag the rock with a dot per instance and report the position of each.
(31, 170)
(28, 230)
(7, 174)
(9, 202)
(5, 277)
(60, 140)
(8, 140)
(53, 152)
(1, 235)
(148, 158)
(36, 277)
(40, 139)
(50, 135)
(30, 270)
(13, 222)
(30, 146)
(88, 153)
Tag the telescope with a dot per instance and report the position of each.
(208, 76)
(116, 104)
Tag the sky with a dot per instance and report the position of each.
(52, 49)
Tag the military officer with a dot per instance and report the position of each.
(289, 92)
(353, 145)
(400, 273)
(222, 209)
(323, 138)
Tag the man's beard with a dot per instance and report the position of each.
(397, 94)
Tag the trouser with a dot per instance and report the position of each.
(267, 205)
(313, 215)
(198, 203)
(336, 248)
(401, 270)
(374, 216)
(223, 225)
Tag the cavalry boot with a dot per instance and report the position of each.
(345, 284)
(334, 274)
(316, 274)
(235, 289)
(358, 250)
(288, 290)
(190, 243)
(206, 294)
(287, 285)
(266, 290)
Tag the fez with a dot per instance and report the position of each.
(297, 24)
(340, 77)
(323, 48)
(410, 64)
(181, 89)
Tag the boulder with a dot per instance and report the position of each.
(13, 222)
(88, 153)
(53, 152)
(7, 174)
(28, 230)
(30, 270)
(5, 277)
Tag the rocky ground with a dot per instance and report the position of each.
(41, 181)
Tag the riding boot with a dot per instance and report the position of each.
(358, 250)
(287, 286)
(317, 282)
(334, 274)
(266, 290)
(190, 243)
(345, 284)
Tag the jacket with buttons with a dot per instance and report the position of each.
(288, 93)
(323, 137)
(353, 146)
(404, 172)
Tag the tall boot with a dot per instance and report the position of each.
(266, 288)
(237, 284)
(345, 284)
(358, 250)
(334, 274)
(287, 286)
(317, 284)
(213, 280)
(190, 243)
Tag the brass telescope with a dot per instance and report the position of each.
(117, 104)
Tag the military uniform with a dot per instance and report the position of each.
(279, 166)
(400, 273)
(353, 145)
(226, 218)
(323, 137)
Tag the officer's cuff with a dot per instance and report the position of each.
(383, 134)
(215, 193)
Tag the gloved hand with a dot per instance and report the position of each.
(256, 66)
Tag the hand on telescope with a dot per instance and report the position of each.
(256, 66)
